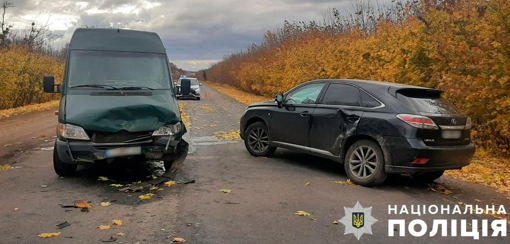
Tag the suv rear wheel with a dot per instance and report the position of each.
(364, 163)
(427, 177)
(257, 140)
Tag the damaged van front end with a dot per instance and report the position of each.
(118, 102)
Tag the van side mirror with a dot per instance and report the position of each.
(49, 85)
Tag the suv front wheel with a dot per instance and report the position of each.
(257, 140)
(364, 163)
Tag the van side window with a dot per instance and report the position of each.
(340, 94)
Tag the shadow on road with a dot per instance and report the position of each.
(309, 162)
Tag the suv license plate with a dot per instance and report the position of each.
(123, 151)
(451, 134)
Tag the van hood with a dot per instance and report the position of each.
(116, 113)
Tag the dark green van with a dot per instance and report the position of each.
(118, 100)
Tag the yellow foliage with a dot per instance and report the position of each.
(21, 74)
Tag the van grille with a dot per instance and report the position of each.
(118, 137)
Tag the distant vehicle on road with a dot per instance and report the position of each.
(374, 128)
(188, 88)
(117, 101)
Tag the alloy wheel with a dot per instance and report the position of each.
(363, 162)
(258, 139)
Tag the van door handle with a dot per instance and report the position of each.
(352, 118)
(304, 114)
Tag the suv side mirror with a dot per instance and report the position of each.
(279, 99)
(200, 84)
(49, 85)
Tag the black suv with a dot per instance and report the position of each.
(376, 128)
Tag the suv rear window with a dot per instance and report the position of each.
(427, 101)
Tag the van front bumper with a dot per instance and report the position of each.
(86, 152)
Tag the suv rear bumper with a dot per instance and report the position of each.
(403, 151)
(85, 152)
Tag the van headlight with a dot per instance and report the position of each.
(168, 130)
(72, 132)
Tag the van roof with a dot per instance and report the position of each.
(103, 39)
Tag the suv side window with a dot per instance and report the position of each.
(305, 95)
(340, 94)
(368, 101)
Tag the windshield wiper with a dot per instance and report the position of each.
(135, 88)
(96, 86)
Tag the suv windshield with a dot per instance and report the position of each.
(118, 69)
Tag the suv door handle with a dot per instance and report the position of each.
(352, 118)
(304, 114)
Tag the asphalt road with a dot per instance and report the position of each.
(265, 192)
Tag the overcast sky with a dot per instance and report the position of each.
(196, 33)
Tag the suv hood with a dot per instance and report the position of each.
(115, 113)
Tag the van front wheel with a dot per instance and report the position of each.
(61, 168)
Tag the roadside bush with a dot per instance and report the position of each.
(459, 46)
(21, 75)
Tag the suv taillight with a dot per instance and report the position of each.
(468, 124)
(418, 121)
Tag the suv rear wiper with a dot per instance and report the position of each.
(96, 86)
(135, 88)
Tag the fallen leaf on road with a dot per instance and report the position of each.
(104, 227)
(121, 234)
(102, 178)
(178, 239)
(478, 200)
(16, 209)
(302, 213)
(170, 183)
(307, 183)
(5, 167)
(439, 188)
(460, 203)
(7, 145)
(154, 188)
(335, 222)
(154, 177)
(44, 186)
(117, 222)
(48, 235)
(106, 204)
(138, 182)
(347, 182)
(116, 185)
(82, 204)
(146, 196)
(225, 190)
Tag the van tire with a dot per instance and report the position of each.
(168, 164)
(61, 168)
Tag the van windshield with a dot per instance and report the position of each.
(118, 69)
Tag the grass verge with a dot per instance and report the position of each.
(238, 95)
(29, 108)
(484, 169)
